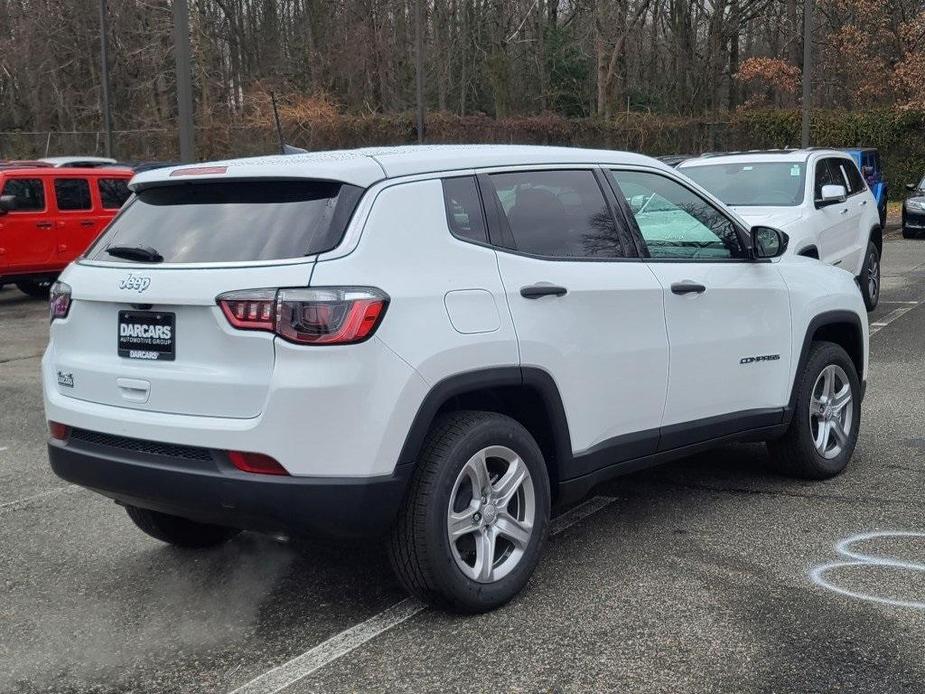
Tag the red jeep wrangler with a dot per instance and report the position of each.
(48, 217)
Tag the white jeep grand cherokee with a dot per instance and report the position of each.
(433, 345)
(816, 196)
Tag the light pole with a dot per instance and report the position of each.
(419, 67)
(182, 53)
(807, 69)
(104, 71)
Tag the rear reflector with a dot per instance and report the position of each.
(256, 462)
(58, 431)
(316, 316)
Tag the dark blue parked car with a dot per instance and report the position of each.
(868, 161)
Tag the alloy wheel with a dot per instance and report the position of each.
(830, 411)
(491, 514)
(873, 277)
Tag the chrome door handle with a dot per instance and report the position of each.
(535, 291)
(687, 287)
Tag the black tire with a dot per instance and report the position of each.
(419, 546)
(795, 453)
(870, 277)
(181, 532)
(38, 289)
(909, 233)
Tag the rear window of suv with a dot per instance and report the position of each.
(233, 221)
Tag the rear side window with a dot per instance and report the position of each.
(29, 193)
(464, 208)
(113, 192)
(72, 194)
(559, 214)
(232, 221)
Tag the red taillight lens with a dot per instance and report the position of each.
(59, 300)
(256, 462)
(322, 316)
(330, 315)
(58, 431)
(250, 310)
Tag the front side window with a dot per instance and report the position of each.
(769, 184)
(827, 174)
(849, 169)
(464, 208)
(675, 222)
(113, 192)
(558, 214)
(29, 193)
(72, 194)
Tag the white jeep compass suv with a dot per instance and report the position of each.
(433, 345)
(817, 196)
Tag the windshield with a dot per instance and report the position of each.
(771, 184)
(233, 221)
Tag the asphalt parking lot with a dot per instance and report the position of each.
(708, 575)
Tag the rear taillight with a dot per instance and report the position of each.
(59, 300)
(250, 310)
(319, 316)
(58, 431)
(256, 462)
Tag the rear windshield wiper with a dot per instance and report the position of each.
(142, 254)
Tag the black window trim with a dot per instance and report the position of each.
(743, 234)
(41, 180)
(500, 235)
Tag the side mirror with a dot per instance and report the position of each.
(832, 195)
(910, 186)
(768, 242)
(7, 203)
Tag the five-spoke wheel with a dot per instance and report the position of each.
(491, 513)
(473, 526)
(829, 411)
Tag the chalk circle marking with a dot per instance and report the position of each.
(861, 559)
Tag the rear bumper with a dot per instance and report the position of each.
(210, 490)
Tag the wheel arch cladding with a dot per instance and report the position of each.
(527, 395)
(841, 327)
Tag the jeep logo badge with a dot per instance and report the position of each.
(139, 284)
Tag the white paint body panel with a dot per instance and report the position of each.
(744, 312)
(604, 342)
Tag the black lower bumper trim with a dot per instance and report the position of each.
(323, 506)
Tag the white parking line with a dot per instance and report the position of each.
(4, 448)
(879, 325)
(25, 500)
(341, 644)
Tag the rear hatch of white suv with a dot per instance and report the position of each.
(144, 328)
